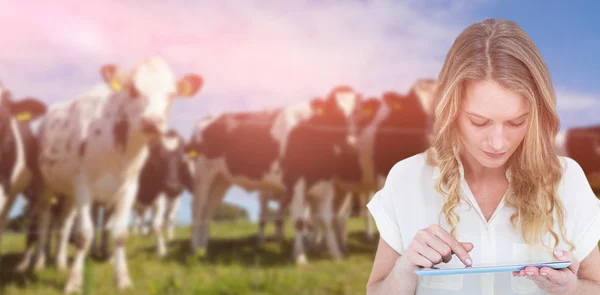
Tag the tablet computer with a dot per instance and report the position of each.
(444, 269)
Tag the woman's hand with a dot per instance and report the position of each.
(554, 281)
(432, 246)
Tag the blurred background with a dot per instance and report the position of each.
(257, 55)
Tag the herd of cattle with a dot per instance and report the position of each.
(111, 148)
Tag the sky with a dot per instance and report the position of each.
(264, 54)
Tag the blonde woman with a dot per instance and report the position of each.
(491, 188)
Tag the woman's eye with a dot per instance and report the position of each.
(517, 124)
(479, 124)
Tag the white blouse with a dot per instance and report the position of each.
(409, 202)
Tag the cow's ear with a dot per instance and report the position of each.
(110, 74)
(318, 106)
(190, 151)
(393, 100)
(189, 85)
(370, 106)
(28, 109)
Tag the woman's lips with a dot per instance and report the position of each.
(494, 155)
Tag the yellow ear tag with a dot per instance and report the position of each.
(24, 116)
(115, 85)
(368, 111)
(319, 111)
(192, 154)
(53, 201)
(397, 106)
(185, 90)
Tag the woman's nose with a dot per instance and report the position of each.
(497, 140)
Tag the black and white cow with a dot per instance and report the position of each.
(298, 152)
(164, 177)
(391, 129)
(93, 149)
(18, 149)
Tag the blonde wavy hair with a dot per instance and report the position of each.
(501, 51)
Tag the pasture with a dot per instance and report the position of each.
(233, 264)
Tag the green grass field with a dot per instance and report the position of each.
(234, 264)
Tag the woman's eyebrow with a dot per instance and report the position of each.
(482, 117)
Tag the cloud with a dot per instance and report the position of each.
(567, 101)
(577, 109)
(259, 54)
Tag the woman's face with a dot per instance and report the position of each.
(492, 122)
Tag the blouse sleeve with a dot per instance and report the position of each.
(383, 210)
(582, 210)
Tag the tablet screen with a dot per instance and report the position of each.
(491, 265)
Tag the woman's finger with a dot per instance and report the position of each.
(427, 252)
(563, 255)
(555, 276)
(440, 247)
(421, 261)
(457, 248)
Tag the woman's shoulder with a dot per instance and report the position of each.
(571, 169)
(409, 165)
(574, 184)
(410, 171)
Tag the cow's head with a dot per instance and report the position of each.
(148, 92)
(368, 110)
(338, 112)
(168, 150)
(407, 111)
(338, 115)
(23, 111)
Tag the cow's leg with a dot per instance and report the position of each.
(326, 214)
(201, 195)
(218, 191)
(343, 207)
(52, 233)
(263, 216)
(158, 213)
(30, 242)
(138, 218)
(6, 203)
(280, 219)
(297, 210)
(118, 222)
(4, 200)
(172, 209)
(83, 203)
(97, 229)
(67, 216)
(107, 214)
(32, 232)
(366, 215)
(44, 224)
(146, 223)
(314, 227)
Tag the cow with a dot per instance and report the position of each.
(19, 168)
(392, 128)
(582, 144)
(297, 152)
(92, 149)
(164, 177)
